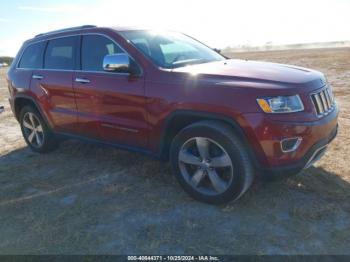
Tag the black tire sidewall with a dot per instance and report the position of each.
(224, 140)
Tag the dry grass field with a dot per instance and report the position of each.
(87, 199)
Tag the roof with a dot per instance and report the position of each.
(66, 30)
(76, 29)
(116, 28)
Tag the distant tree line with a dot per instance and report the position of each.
(6, 59)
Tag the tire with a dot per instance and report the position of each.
(39, 138)
(224, 176)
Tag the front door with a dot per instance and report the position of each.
(111, 105)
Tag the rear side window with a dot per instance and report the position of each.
(94, 49)
(60, 53)
(33, 56)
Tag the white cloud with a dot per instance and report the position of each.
(50, 9)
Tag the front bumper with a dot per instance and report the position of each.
(314, 154)
(266, 136)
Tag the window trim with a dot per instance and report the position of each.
(79, 51)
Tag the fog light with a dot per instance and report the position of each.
(290, 144)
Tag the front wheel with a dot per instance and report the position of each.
(211, 163)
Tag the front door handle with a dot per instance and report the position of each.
(82, 80)
(37, 77)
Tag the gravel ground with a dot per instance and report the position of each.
(87, 199)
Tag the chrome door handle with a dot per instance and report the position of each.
(82, 80)
(37, 77)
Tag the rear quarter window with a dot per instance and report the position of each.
(32, 56)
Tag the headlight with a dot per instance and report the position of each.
(281, 104)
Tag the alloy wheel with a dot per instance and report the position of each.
(33, 130)
(205, 165)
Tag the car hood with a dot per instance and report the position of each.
(233, 71)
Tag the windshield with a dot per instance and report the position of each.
(171, 49)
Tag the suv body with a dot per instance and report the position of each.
(143, 106)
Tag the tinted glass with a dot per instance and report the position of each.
(33, 56)
(60, 53)
(94, 49)
(170, 49)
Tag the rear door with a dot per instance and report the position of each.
(111, 105)
(53, 83)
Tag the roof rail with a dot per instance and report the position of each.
(66, 29)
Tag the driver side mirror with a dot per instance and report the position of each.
(116, 63)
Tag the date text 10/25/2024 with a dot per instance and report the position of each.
(173, 258)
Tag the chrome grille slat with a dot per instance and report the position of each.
(323, 101)
(319, 104)
(328, 98)
(330, 95)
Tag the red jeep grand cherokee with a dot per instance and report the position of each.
(218, 120)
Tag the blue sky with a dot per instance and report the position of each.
(219, 23)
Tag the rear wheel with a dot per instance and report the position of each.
(35, 131)
(211, 163)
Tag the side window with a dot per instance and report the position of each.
(33, 56)
(94, 49)
(60, 53)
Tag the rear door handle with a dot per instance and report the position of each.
(82, 80)
(37, 77)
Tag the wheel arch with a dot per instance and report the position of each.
(22, 100)
(179, 119)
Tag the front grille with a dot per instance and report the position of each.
(323, 101)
